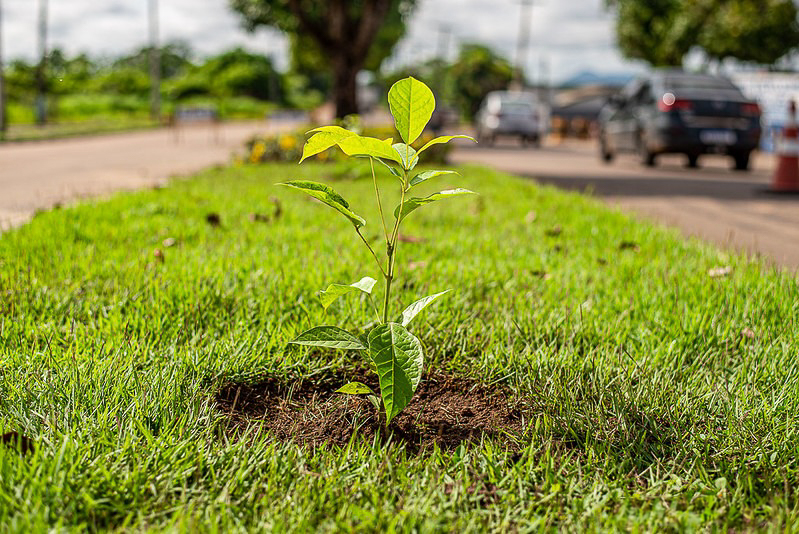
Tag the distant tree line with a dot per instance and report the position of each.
(80, 85)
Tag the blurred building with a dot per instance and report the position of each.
(577, 101)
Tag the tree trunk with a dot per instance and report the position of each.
(345, 71)
(346, 40)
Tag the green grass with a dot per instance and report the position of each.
(649, 409)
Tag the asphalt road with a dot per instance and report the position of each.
(713, 202)
(37, 175)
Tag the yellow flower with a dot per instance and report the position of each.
(287, 142)
(258, 149)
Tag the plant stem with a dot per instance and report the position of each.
(377, 194)
(391, 248)
(389, 277)
(374, 255)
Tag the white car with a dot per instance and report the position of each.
(509, 113)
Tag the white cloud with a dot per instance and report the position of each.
(112, 27)
(568, 36)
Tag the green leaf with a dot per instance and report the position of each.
(327, 195)
(407, 154)
(426, 175)
(414, 309)
(399, 359)
(391, 169)
(443, 139)
(413, 203)
(334, 291)
(324, 138)
(375, 401)
(412, 104)
(331, 337)
(369, 146)
(355, 388)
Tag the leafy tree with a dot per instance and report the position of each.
(476, 72)
(20, 78)
(337, 35)
(662, 32)
(69, 75)
(175, 59)
(648, 30)
(762, 31)
(122, 81)
(233, 73)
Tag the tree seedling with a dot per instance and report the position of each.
(392, 351)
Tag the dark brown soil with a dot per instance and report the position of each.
(446, 410)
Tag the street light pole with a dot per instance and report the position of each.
(3, 117)
(523, 41)
(41, 82)
(155, 63)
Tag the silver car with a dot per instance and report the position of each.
(509, 113)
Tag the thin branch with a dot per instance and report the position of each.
(365, 242)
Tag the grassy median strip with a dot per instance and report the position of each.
(657, 379)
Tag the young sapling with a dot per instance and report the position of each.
(393, 352)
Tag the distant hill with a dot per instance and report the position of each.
(587, 77)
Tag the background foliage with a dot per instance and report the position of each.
(662, 32)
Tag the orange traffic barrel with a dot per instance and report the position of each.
(786, 175)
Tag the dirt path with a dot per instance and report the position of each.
(38, 175)
(713, 202)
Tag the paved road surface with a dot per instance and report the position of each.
(713, 202)
(37, 175)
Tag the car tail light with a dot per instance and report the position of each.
(669, 103)
(750, 109)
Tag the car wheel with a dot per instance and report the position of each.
(741, 161)
(646, 156)
(693, 161)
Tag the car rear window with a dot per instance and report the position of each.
(516, 108)
(698, 82)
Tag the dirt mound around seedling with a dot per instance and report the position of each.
(446, 410)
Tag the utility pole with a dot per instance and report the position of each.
(41, 78)
(3, 117)
(155, 63)
(444, 36)
(523, 41)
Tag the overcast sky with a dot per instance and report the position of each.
(567, 36)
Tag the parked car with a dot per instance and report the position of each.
(672, 111)
(509, 113)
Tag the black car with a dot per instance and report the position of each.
(672, 111)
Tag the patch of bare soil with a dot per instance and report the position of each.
(446, 410)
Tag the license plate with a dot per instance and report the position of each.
(717, 137)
